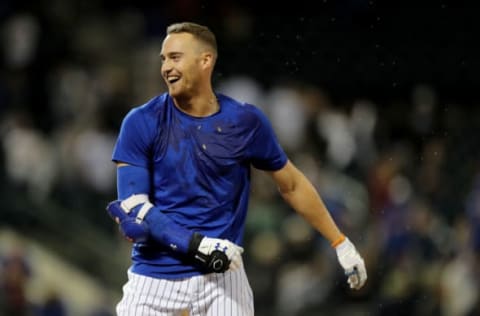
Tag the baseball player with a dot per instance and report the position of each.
(183, 182)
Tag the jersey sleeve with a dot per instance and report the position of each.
(134, 141)
(265, 151)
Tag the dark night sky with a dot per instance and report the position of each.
(368, 50)
(353, 48)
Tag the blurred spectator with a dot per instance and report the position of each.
(21, 35)
(459, 286)
(305, 277)
(287, 112)
(363, 122)
(332, 125)
(90, 155)
(15, 274)
(30, 160)
(245, 89)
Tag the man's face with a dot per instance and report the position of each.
(181, 64)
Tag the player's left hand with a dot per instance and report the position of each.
(352, 263)
(132, 229)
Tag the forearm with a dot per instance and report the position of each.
(305, 200)
(302, 196)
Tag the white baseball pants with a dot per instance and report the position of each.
(215, 294)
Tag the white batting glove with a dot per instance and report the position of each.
(352, 263)
(232, 251)
(214, 254)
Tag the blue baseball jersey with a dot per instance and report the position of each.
(200, 171)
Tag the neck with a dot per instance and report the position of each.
(198, 106)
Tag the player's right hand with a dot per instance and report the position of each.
(132, 229)
(352, 263)
(215, 255)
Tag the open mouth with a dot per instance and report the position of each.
(173, 79)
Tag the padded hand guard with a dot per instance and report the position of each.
(130, 227)
(215, 255)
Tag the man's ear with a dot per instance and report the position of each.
(207, 59)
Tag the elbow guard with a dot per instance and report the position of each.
(140, 219)
(133, 184)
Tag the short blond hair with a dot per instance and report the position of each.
(200, 32)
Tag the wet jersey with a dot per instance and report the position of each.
(200, 171)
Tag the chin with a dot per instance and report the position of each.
(174, 92)
(178, 93)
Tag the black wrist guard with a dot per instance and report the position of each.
(217, 261)
(194, 243)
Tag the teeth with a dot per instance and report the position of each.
(172, 78)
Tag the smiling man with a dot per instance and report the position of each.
(183, 181)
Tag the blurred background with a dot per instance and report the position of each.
(376, 103)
